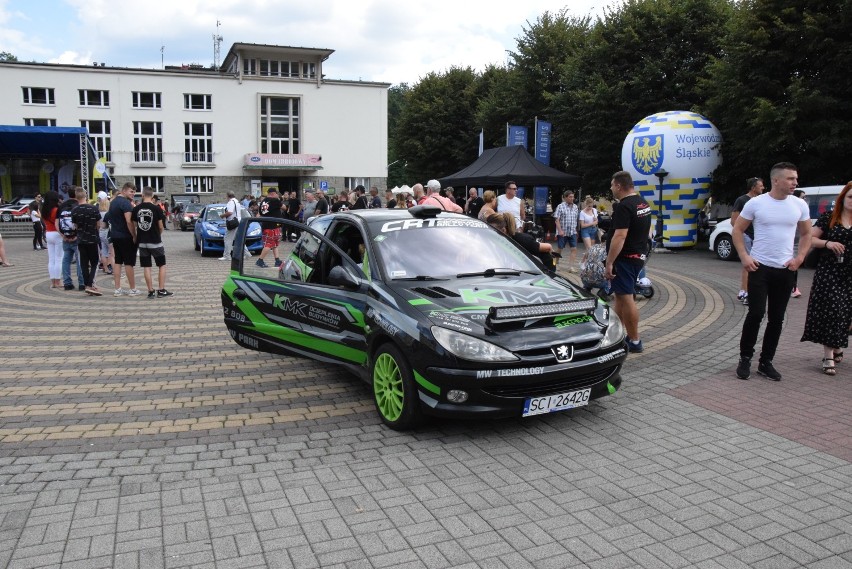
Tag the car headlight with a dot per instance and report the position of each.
(212, 229)
(470, 348)
(187, 219)
(614, 332)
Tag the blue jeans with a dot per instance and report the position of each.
(69, 250)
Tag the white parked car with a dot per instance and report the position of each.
(820, 199)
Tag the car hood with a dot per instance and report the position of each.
(464, 305)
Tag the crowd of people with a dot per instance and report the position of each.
(111, 233)
(105, 236)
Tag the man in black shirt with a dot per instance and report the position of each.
(342, 203)
(123, 234)
(755, 188)
(86, 217)
(361, 199)
(627, 249)
(294, 207)
(270, 207)
(322, 204)
(390, 198)
(473, 204)
(149, 221)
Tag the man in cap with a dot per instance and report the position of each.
(433, 197)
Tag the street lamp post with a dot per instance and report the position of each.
(661, 175)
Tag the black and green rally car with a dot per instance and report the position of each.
(441, 314)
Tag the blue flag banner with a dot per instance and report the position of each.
(540, 200)
(516, 136)
(542, 142)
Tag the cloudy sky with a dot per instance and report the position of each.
(392, 41)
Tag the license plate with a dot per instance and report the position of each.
(559, 402)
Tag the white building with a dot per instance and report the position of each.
(267, 117)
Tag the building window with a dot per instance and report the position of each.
(93, 98)
(39, 122)
(143, 100)
(38, 96)
(147, 142)
(198, 142)
(350, 183)
(309, 70)
(156, 182)
(249, 67)
(99, 132)
(194, 102)
(279, 125)
(198, 184)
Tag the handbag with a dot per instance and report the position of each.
(812, 258)
(232, 222)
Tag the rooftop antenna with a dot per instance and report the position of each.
(162, 57)
(217, 42)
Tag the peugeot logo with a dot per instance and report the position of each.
(563, 353)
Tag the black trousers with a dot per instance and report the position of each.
(38, 235)
(89, 256)
(772, 287)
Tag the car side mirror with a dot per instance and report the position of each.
(338, 276)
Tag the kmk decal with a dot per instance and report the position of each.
(289, 305)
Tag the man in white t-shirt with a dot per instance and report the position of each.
(232, 211)
(513, 204)
(771, 263)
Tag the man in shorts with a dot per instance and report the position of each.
(123, 234)
(755, 188)
(149, 221)
(627, 248)
(270, 207)
(566, 215)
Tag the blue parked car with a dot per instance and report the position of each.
(210, 231)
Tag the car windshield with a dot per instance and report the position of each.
(445, 251)
(193, 208)
(214, 213)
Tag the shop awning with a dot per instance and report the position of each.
(282, 162)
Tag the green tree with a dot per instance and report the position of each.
(780, 90)
(6, 56)
(644, 57)
(436, 132)
(523, 89)
(396, 162)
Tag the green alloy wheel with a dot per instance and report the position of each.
(393, 389)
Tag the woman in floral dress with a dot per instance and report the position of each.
(830, 304)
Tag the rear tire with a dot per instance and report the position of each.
(394, 391)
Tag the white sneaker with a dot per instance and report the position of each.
(224, 258)
(120, 292)
(134, 292)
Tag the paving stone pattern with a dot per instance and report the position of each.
(134, 433)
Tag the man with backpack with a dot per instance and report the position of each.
(86, 218)
(65, 226)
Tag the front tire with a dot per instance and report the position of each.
(724, 248)
(197, 248)
(7, 217)
(394, 392)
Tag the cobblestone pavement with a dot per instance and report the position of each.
(135, 433)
